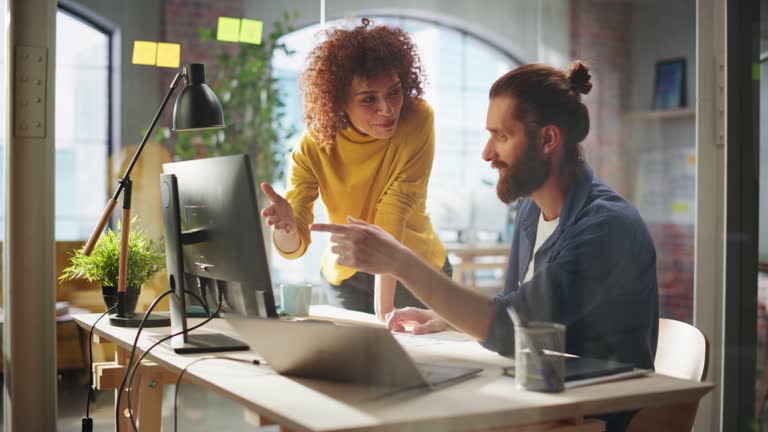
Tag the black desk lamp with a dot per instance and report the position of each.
(196, 108)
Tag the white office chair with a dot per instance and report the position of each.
(682, 352)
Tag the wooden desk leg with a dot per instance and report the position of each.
(121, 359)
(147, 392)
(150, 397)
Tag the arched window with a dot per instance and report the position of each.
(460, 69)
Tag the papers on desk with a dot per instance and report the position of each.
(411, 340)
(62, 308)
(581, 371)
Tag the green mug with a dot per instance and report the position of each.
(295, 298)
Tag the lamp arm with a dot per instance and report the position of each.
(126, 176)
(144, 140)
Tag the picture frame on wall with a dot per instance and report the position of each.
(669, 84)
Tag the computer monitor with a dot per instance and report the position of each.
(214, 244)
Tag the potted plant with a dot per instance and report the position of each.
(145, 260)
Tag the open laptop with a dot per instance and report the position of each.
(358, 354)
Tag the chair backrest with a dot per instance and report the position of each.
(682, 351)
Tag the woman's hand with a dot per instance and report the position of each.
(279, 213)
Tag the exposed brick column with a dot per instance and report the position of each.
(600, 36)
(183, 18)
(181, 21)
(674, 267)
(600, 32)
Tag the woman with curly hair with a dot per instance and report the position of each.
(368, 153)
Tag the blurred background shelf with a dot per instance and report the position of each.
(659, 114)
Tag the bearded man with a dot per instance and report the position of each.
(581, 255)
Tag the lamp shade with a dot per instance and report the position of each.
(197, 106)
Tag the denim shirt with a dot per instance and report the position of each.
(596, 274)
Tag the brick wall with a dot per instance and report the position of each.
(181, 22)
(183, 18)
(601, 36)
(674, 267)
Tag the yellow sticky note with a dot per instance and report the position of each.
(250, 31)
(144, 52)
(168, 54)
(228, 29)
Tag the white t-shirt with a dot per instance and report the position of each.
(543, 231)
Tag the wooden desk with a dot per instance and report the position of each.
(489, 401)
(480, 256)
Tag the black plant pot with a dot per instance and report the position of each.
(124, 315)
(128, 306)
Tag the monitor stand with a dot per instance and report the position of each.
(184, 343)
(203, 343)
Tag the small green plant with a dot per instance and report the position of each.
(145, 259)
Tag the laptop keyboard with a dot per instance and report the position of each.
(439, 374)
(429, 373)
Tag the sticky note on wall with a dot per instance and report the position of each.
(168, 54)
(680, 207)
(250, 31)
(144, 52)
(228, 29)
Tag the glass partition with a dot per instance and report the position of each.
(642, 55)
(761, 70)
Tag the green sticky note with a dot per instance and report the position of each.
(144, 52)
(757, 71)
(228, 29)
(168, 54)
(250, 31)
(679, 207)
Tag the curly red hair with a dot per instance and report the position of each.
(365, 51)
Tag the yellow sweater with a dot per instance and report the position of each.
(383, 182)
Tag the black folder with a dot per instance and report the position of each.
(580, 368)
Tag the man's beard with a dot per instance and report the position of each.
(523, 176)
